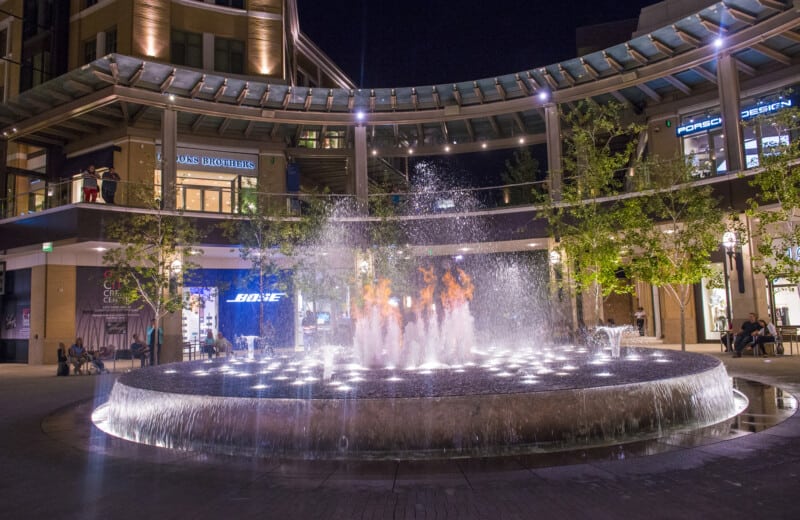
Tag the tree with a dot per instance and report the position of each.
(586, 221)
(674, 229)
(267, 235)
(521, 174)
(154, 256)
(775, 208)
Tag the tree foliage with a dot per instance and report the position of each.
(674, 229)
(586, 221)
(775, 208)
(267, 234)
(154, 256)
(521, 173)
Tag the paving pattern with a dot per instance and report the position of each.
(55, 465)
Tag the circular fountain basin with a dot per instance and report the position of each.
(504, 402)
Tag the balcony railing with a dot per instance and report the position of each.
(227, 201)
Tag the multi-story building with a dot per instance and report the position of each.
(211, 100)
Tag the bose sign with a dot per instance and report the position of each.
(255, 297)
(716, 121)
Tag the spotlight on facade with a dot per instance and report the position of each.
(543, 95)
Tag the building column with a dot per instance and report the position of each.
(4, 193)
(169, 158)
(552, 124)
(728, 84)
(361, 177)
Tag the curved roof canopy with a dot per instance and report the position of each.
(668, 64)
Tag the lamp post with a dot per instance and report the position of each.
(729, 243)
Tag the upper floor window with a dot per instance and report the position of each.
(35, 69)
(37, 17)
(308, 139)
(111, 40)
(90, 3)
(90, 50)
(229, 55)
(238, 4)
(187, 48)
(3, 42)
(334, 139)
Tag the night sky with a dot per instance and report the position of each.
(421, 42)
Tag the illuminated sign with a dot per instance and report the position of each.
(209, 160)
(716, 121)
(255, 297)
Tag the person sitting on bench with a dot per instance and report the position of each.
(139, 350)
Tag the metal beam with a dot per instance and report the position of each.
(223, 127)
(457, 95)
(243, 93)
(500, 89)
(478, 92)
(167, 81)
(197, 123)
(662, 47)
(636, 55)
(521, 85)
(136, 76)
(591, 71)
(740, 15)
(705, 74)
(566, 75)
(197, 87)
(678, 84)
(652, 94)
(772, 53)
(613, 63)
(222, 88)
(687, 38)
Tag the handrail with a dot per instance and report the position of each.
(230, 201)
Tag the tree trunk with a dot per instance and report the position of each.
(683, 328)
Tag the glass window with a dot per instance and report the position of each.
(90, 3)
(187, 48)
(90, 50)
(229, 55)
(334, 139)
(3, 42)
(696, 147)
(238, 4)
(111, 40)
(787, 305)
(720, 158)
(308, 139)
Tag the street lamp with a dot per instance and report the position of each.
(729, 243)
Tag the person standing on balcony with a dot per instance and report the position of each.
(89, 184)
(110, 178)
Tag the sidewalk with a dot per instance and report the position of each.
(55, 465)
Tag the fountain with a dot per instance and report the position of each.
(426, 396)
(446, 376)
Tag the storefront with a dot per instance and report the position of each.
(702, 137)
(212, 181)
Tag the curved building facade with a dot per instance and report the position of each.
(211, 102)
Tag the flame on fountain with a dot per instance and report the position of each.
(426, 339)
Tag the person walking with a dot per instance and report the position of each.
(640, 317)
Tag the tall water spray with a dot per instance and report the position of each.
(439, 328)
